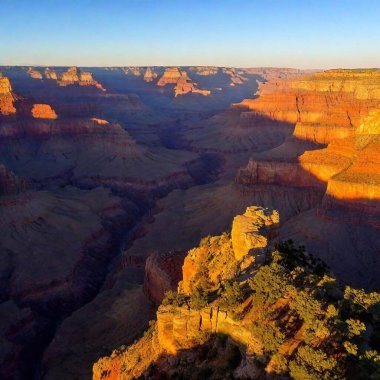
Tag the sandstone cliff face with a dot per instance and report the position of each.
(220, 258)
(324, 106)
(251, 231)
(183, 83)
(162, 273)
(43, 111)
(6, 97)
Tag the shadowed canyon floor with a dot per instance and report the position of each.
(109, 175)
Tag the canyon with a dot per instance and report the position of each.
(109, 177)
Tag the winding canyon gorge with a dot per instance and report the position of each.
(121, 185)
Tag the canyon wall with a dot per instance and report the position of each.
(337, 108)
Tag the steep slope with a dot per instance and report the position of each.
(55, 247)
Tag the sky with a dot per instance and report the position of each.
(279, 33)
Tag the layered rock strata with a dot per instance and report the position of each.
(338, 108)
(7, 97)
(183, 84)
(75, 76)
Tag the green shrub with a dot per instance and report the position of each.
(198, 299)
(173, 298)
(232, 295)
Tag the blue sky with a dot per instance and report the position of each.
(282, 33)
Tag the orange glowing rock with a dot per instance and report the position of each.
(100, 121)
(6, 97)
(43, 111)
(75, 76)
(324, 106)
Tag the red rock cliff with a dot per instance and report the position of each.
(6, 97)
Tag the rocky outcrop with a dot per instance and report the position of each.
(50, 74)
(75, 76)
(279, 317)
(150, 75)
(218, 258)
(7, 97)
(34, 73)
(236, 78)
(133, 70)
(183, 84)
(251, 231)
(171, 76)
(182, 328)
(162, 273)
(43, 111)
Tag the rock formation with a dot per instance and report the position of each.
(218, 258)
(236, 78)
(183, 84)
(75, 76)
(43, 111)
(135, 71)
(7, 97)
(205, 70)
(275, 317)
(34, 73)
(150, 75)
(162, 273)
(171, 76)
(324, 106)
(252, 230)
(50, 74)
